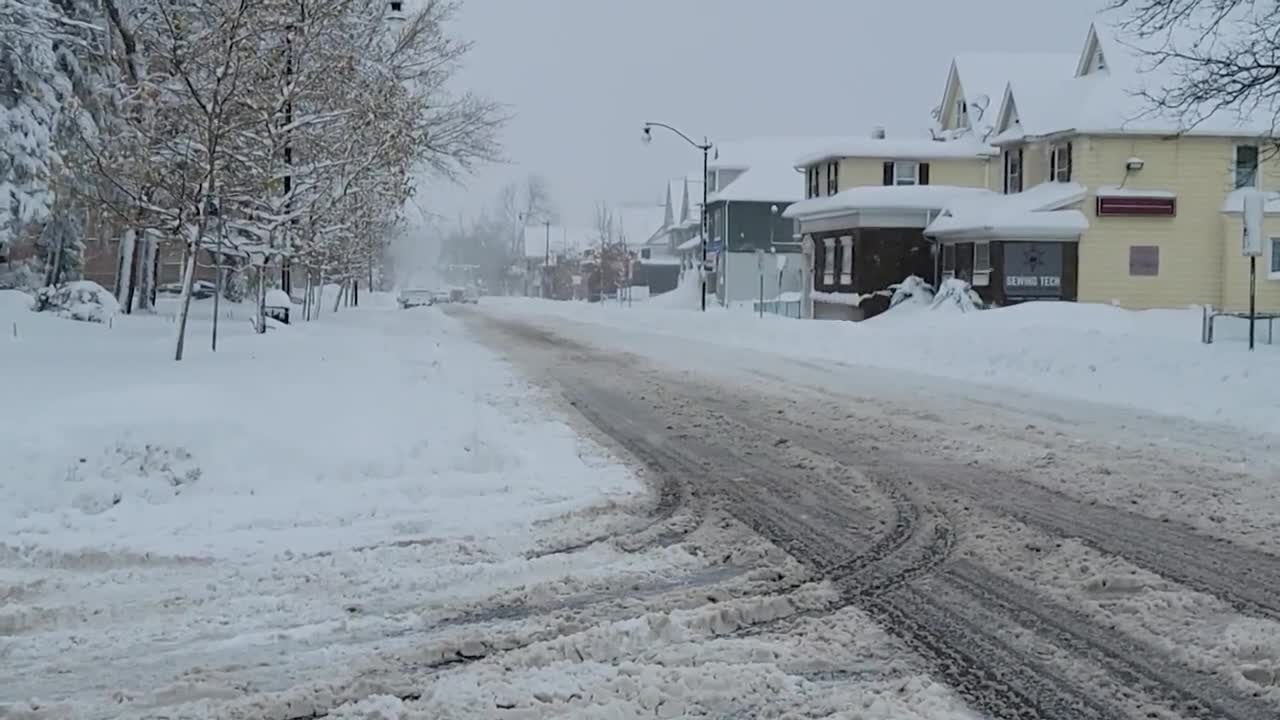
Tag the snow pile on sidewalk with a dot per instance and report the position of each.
(171, 531)
(686, 296)
(1149, 360)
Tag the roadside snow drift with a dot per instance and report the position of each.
(1151, 360)
(175, 531)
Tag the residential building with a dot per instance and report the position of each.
(1102, 200)
(867, 203)
(750, 184)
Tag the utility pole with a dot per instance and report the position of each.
(546, 263)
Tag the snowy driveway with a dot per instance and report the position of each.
(1039, 557)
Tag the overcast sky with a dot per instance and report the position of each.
(581, 77)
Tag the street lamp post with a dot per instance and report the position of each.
(705, 147)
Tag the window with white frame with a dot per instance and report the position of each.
(981, 264)
(833, 177)
(1060, 162)
(1013, 170)
(906, 172)
(982, 257)
(1275, 257)
(711, 181)
(948, 262)
(846, 260)
(829, 261)
(812, 179)
(1246, 166)
(962, 113)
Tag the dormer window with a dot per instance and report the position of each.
(833, 177)
(962, 112)
(811, 182)
(397, 6)
(1099, 62)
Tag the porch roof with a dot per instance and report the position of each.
(882, 197)
(691, 243)
(1044, 211)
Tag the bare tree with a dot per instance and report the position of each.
(1216, 57)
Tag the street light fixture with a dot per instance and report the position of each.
(705, 147)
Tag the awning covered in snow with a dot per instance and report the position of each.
(1044, 211)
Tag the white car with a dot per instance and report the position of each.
(416, 298)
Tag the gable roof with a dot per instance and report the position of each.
(982, 77)
(1110, 99)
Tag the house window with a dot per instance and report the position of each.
(397, 6)
(1144, 260)
(906, 172)
(829, 262)
(981, 264)
(982, 257)
(962, 112)
(833, 178)
(846, 260)
(812, 179)
(948, 262)
(711, 181)
(1275, 257)
(1246, 166)
(1013, 171)
(1060, 162)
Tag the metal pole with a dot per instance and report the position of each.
(1253, 291)
(702, 271)
(546, 263)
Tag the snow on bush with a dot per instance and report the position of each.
(82, 300)
(913, 289)
(957, 294)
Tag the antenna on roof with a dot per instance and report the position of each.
(980, 104)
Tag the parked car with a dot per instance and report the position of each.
(415, 298)
(462, 295)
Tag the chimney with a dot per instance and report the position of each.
(877, 132)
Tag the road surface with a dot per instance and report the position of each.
(1022, 550)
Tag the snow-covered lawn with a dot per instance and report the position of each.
(175, 531)
(1151, 361)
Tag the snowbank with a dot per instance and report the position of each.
(1150, 360)
(280, 509)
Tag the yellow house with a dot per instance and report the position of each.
(1105, 202)
(868, 199)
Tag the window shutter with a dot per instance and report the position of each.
(1069, 154)
(888, 172)
(924, 173)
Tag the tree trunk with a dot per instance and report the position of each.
(342, 290)
(147, 276)
(188, 280)
(124, 271)
(355, 293)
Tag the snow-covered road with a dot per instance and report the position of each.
(375, 516)
(1065, 548)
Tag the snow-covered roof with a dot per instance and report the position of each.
(1041, 211)
(1109, 99)
(636, 224)
(983, 77)
(768, 169)
(882, 197)
(691, 243)
(896, 148)
(1122, 192)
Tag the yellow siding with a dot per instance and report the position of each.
(1235, 293)
(961, 172)
(1191, 244)
(860, 172)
